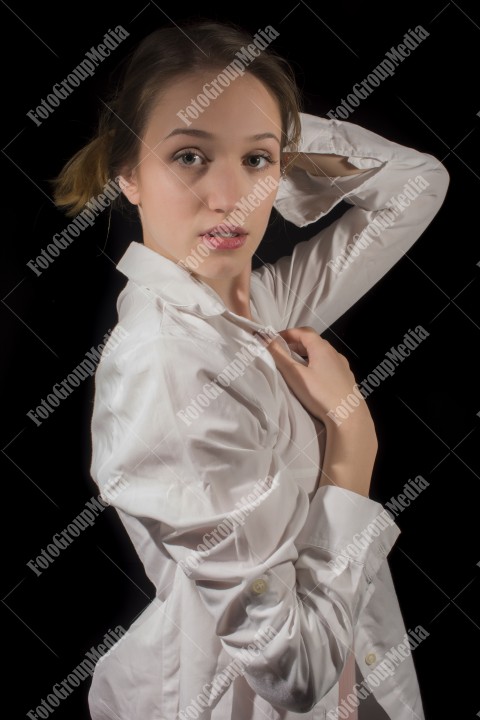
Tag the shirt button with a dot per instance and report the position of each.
(259, 586)
(370, 658)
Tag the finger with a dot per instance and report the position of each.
(294, 345)
(279, 352)
(301, 337)
(298, 333)
(271, 343)
(298, 348)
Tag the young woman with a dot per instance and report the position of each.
(218, 430)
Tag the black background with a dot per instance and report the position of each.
(426, 414)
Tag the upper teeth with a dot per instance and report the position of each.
(220, 234)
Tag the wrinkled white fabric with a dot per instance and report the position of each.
(198, 441)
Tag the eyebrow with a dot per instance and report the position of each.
(209, 136)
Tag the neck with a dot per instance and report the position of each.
(235, 292)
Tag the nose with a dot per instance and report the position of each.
(224, 185)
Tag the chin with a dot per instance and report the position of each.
(218, 273)
(222, 267)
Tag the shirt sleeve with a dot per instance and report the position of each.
(213, 495)
(394, 200)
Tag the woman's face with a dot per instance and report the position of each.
(193, 174)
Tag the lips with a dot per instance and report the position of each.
(224, 229)
(224, 237)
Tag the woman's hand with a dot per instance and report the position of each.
(324, 382)
(320, 386)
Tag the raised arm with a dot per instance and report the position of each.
(395, 193)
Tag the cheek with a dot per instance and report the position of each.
(166, 193)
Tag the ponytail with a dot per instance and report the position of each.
(84, 175)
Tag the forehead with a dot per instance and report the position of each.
(244, 108)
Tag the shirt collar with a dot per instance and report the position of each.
(169, 280)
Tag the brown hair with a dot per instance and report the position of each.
(163, 55)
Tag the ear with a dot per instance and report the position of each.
(129, 186)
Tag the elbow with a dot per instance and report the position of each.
(433, 176)
(442, 181)
(293, 700)
(298, 698)
(304, 702)
(298, 676)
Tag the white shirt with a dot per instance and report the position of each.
(197, 439)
